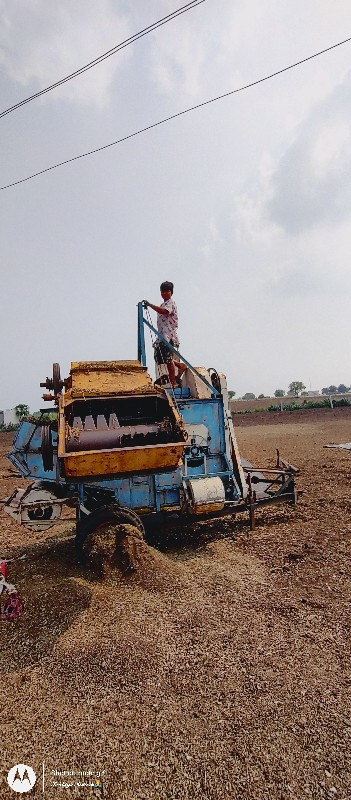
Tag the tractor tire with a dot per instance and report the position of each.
(106, 519)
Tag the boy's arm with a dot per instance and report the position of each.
(159, 309)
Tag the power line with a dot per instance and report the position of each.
(179, 114)
(108, 54)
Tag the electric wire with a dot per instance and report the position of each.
(174, 116)
(149, 29)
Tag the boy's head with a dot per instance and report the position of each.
(166, 290)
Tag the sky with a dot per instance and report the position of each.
(244, 204)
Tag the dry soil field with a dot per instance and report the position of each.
(220, 670)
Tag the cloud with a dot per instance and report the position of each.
(41, 42)
(309, 262)
(178, 62)
(212, 239)
(195, 51)
(312, 181)
(293, 225)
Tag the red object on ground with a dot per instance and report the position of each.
(11, 606)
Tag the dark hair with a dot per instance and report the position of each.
(167, 286)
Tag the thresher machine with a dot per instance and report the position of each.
(121, 449)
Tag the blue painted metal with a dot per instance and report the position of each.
(180, 393)
(146, 492)
(141, 336)
(26, 454)
(209, 412)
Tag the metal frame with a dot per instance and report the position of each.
(142, 352)
(283, 473)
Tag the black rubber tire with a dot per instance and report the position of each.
(103, 517)
(47, 450)
(57, 383)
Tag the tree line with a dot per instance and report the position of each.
(295, 389)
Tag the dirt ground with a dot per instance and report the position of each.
(220, 670)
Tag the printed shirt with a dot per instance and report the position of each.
(167, 324)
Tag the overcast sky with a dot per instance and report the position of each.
(245, 204)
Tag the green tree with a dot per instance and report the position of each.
(295, 387)
(249, 396)
(22, 410)
(261, 396)
(279, 393)
(342, 388)
(231, 394)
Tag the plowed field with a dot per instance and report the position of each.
(220, 670)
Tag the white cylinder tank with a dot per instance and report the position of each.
(206, 495)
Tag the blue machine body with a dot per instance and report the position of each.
(209, 478)
(204, 456)
(142, 492)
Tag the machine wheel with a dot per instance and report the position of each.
(57, 383)
(109, 518)
(47, 450)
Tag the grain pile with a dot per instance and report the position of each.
(219, 669)
(113, 547)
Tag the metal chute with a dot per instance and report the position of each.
(35, 507)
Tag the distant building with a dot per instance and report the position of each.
(9, 417)
(313, 392)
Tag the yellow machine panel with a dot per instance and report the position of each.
(108, 377)
(119, 462)
(113, 421)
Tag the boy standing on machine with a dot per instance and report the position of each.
(167, 325)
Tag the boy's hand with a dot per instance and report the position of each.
(145, 303)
